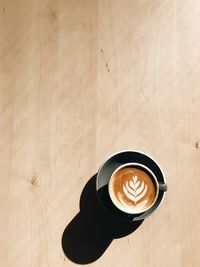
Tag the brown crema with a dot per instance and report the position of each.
(132, 190)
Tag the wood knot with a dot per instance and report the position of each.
(107, 67)
(34, 180)
(197, 145)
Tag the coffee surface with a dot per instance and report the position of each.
(132, 190)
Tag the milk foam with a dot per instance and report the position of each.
(135, 190)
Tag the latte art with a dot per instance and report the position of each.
(135, 190)
(132, 190)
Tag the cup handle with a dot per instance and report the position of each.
(162, 187)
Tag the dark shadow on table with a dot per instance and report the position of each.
(92, 230)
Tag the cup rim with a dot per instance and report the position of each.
(152, 175)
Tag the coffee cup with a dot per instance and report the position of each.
(133, 188)
(130, 185)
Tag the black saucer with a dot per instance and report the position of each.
(110, 165)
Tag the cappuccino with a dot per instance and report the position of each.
(133, 189)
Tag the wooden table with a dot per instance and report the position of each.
(80, 80)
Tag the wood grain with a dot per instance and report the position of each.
(80, 80)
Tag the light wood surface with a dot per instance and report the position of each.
(80, 80)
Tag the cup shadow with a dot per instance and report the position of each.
(92, 230)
